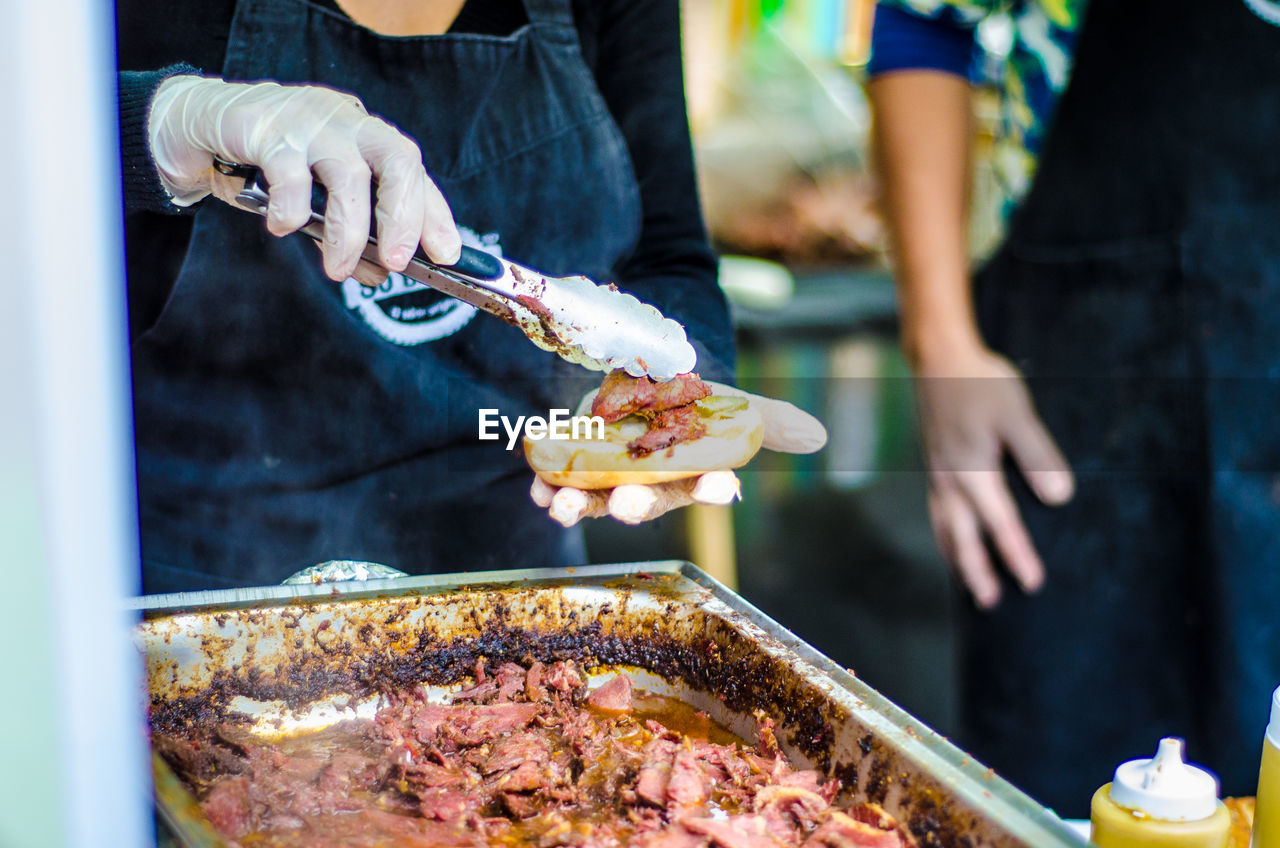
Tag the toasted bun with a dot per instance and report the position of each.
(731, 440)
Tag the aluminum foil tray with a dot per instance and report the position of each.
(307, 656)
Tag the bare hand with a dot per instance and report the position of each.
(972, 410)
(787, 429)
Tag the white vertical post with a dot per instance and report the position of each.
(72, 742)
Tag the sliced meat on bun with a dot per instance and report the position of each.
(654, 433)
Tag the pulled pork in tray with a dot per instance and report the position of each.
(523, 757)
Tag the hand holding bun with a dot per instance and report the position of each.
(664, 446)
(713, 432)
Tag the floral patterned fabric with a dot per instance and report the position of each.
(1038, 67)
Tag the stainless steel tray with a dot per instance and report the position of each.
(306, 656)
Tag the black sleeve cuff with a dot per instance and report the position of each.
(142, 187)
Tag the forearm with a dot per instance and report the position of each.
(923, 138)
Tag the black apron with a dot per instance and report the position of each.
(283, 419)
(1139, 291)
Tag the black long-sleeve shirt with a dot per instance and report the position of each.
(632, 48)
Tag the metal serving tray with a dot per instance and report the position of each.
(307, 656)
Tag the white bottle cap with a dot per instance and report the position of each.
(1165, 787)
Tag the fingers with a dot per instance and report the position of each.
(788, 428)
(289, 176)
(293, 132)
(633, 504)
(569, 506)
(968, 508)
(630, 504)
(956, 528)
(346, 213)
(717, 488)
(1040, 461)
(999, 517)
(397, 164)
(411, 209)
(542, 492)
(967, 426)
(440, 237)
(636, 504)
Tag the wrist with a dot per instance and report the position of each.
(929, 347)
(936, 313)
(182, 166)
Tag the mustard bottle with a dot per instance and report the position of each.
(1160, 803)
(1266, 813)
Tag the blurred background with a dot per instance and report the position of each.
(835, 546)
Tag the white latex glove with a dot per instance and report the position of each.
(973, 409)
(291, 132)
(787, 429)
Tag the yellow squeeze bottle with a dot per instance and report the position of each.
(1266, 812)
(1160, 803)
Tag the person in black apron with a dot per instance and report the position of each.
(283, 419)
(1138, 291)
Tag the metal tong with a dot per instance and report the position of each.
(596, 326)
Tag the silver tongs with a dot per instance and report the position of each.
(596, 326)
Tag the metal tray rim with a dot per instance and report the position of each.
(175, 602)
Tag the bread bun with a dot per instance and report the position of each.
(734, 433)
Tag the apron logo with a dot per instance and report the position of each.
(405, 312)
(1268, 10)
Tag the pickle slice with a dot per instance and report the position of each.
(719, 406)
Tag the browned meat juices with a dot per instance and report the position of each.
(523, 757)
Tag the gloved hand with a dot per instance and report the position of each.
(291, 132)
(787, 429)
(972, 409)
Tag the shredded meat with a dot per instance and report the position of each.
(614, 695)
(668, 407)
(622, 395)
(522, 757)
(839, 830)
(229, 808)
(735, 832)
(667, 429)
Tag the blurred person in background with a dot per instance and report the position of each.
(285, 413)
(1136, 299)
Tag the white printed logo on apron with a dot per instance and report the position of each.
(406, 312)
(1268, 10)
